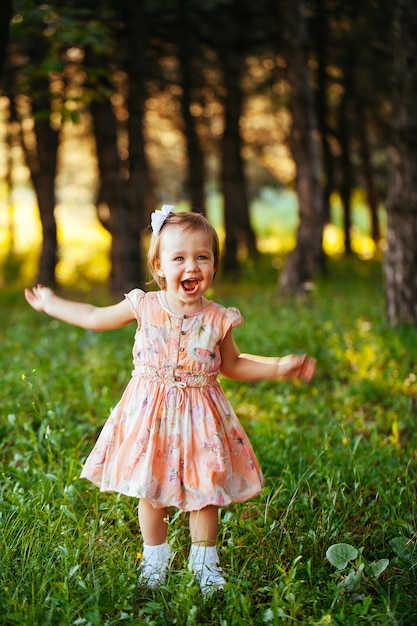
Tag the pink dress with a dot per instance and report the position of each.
(174, 438)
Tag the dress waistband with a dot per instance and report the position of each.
(175, 376)
(176, 380)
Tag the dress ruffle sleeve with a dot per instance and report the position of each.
(232, 319)
(135, 296)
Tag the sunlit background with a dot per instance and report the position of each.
(84, 244)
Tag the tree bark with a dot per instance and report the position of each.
(321, 39)
(400, 260)
(195, 163)
(42, 162)
(306, 258)
(112, 193)
(346, 175)
(345, 130)
(368, 172)
(236, 205)
(140, 187)
(5, 17)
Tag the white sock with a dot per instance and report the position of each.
(204, 563)
(154, 564)
(161, 550)
(201, 554)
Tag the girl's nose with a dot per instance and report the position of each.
(192, 265)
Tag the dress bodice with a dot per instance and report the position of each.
(179, 345)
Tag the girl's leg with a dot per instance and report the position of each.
(156, 552)
(152, 523)
(204, 525)
(203, 560)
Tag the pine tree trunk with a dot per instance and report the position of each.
(400, 262)
(368, 172)
(5, 16)
(306, 258)
(42, 162)
(140, 187)
(346, 177)
(345, 125)
(321, 38)
(47, 146)
(236, 205)
(112, 193)
(195, 161)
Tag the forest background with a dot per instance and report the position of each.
(180, 102)
(292, 125)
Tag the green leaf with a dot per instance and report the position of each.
(339, 554)
(377, 567)
(404, 548)
(351, 582)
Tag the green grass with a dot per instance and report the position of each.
(339, 458)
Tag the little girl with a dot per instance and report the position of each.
(173, 438)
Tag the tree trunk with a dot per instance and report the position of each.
(140, 188)
(345, 185)
(112, 193)
(195, 164)
(400, 260)
(306, 258)
(236, 205)
(345, 129)
(368, 172)
(42, 162)
(322, 106)
(5, 17)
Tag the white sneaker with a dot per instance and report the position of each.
(204, 563)
(154, 565)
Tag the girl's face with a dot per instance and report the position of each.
(186, 260)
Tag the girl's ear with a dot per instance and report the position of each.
(158, 270)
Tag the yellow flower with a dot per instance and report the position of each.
(138, 556)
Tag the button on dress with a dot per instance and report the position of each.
(174, 438)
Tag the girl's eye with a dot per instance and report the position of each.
(179, 258)
(202, 257)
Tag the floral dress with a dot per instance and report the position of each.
(174, 438)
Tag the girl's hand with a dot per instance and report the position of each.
(298, 366)
(38, 297)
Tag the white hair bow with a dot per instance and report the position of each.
(158, 217)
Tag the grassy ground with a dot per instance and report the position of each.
(339, 458)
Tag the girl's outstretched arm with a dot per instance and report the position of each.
(251, 367)
(78, 313)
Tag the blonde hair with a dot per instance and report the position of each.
(191, 222)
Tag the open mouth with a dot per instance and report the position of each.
(190, 286)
